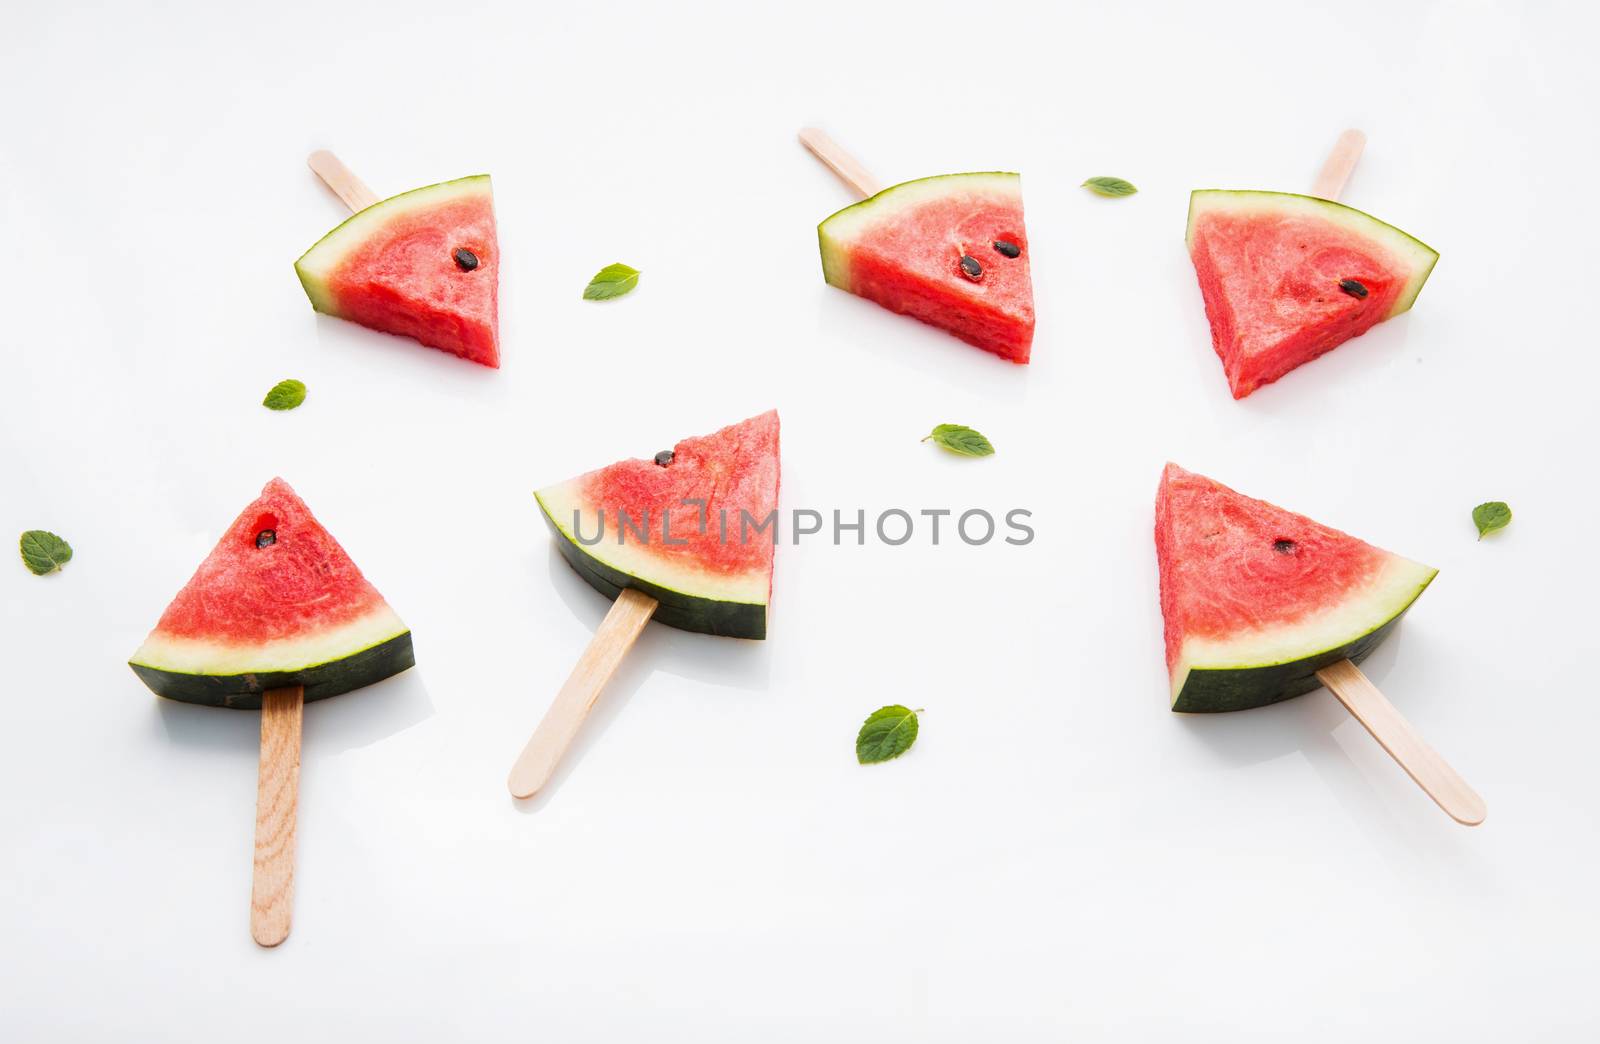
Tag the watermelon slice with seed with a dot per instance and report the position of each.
(1287, 278)
(694, 527)
(424, 264)
(277, 603)
(1256, 599)
(950, 250)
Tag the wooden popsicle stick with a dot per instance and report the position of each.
(277, 795)
(538, 760)
(1340, 165)
(840, 162)
(1421, 762)
(1344, 679)
(342, 180)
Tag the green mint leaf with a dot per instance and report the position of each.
(44, 552)
(285, 395)
(611, 281)
(1109, 187)
(958, 438)
(1490, 516)
(887, 733)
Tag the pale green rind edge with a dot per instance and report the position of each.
(242, 688)
(835, 256)
(343, 236)
(1391, 618)
(244, 668)
(1397, 238)
(645, 585)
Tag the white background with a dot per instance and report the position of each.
(1059, 857)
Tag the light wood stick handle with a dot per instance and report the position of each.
(1340, 165)
(342, 180)
(538, 760)
(277, 795)
(1421, 762)
(840, 162)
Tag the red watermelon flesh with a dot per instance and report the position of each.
(734, 470)
(904, 249)
(712, 571)
(1250, 590)
(395, 267)
(1286, 278)
(276, 594)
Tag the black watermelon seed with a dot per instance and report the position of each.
(1008, 248)
(1353, 287)
(266, 537)
(970, 267)
(664, 458)
(466, 260)
(1285, 547)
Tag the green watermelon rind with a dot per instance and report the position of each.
(840, 229)
(1242, 684)
(242, 691)
(1420, 256)
(325, 254)
(706, 611)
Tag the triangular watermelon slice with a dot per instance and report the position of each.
(695, 528)
(1286, 278)
(277, 603)
(424, 264)
(1257, 599)
(949, 250)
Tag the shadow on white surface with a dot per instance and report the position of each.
(1306, 725)
(401, 357)
(899, 340)
(1335, 372)
(348, 722)
(728, 663)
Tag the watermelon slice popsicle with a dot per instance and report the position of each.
(949, 250)
(1259, 604)
(686, 538)
(275, 616)
(1287, 278)
(424, 264)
